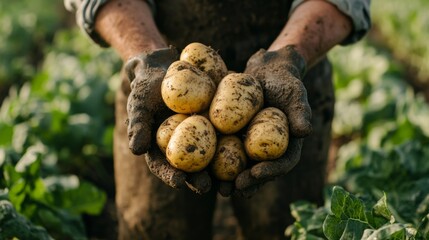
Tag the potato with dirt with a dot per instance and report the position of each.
(186, 89)
(167, 128)
(267, 137)
(206, 59)
(230, 158)
(192, 145)
(237, 99)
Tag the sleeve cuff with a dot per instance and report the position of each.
(357, 10)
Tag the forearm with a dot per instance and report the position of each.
(128, 27)
(314, 28)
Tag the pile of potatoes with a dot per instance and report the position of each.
(220, 120)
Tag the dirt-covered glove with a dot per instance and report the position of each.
(280, 73)
(146, 110)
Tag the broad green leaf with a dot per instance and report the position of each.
(344, 205)
(333, 227)
(392, 231)
(354, 230)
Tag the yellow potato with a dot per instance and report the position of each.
(206, 59)
(230, 158)
(267, 137)
(166, 129)
(237, 99)
(192, 145)
(186, 89)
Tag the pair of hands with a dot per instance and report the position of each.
(280, 73)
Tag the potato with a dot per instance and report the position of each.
(267, 137)
(166, 129)
(237, 99)
(192, 145)
(230, 158)
(185, 89)
(206, 59)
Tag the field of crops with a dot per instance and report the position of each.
(56, 124)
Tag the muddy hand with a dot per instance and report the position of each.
(145, 105)
(145, 73)
(249, 181)
(280, 73)
(199, 182)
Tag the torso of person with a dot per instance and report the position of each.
(236, 29)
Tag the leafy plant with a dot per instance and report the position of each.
(347, 216)
(56, 131)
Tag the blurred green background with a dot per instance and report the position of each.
(56, 123)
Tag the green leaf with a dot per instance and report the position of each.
(354, 230)
(74, 195)
(6, 135)
(423, 228)
(345, 206)
(309, 221)
(62, 223)
(393, 231)
(333, 227)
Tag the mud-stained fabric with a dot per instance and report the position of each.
(237, 29)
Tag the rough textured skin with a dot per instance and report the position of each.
(145, 74)
(280, 74)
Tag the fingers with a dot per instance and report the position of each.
(271, 169)
(139, 140)
(286, 92)
(199, 182)
(254, 61)
(139, 127)
(159, 166)
(246, 185)
(143, 102)
(226, 188)
(246, 180)
(298, 112)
